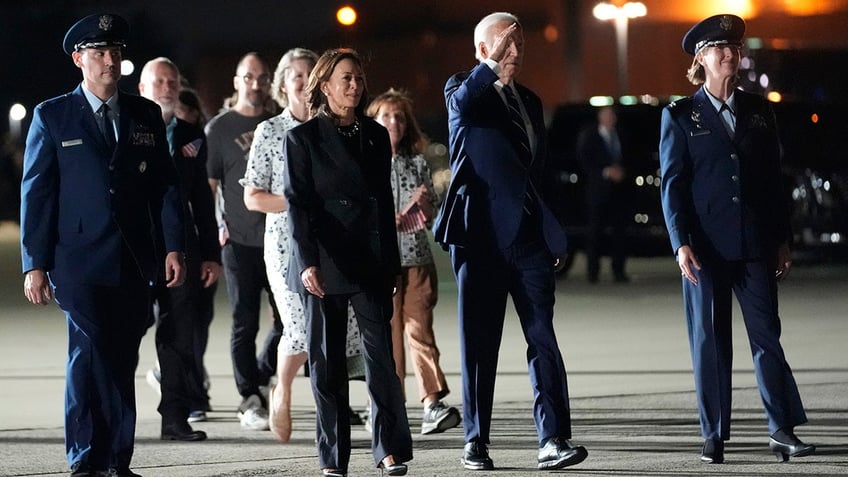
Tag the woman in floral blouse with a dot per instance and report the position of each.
(415, 205)
(263, 192)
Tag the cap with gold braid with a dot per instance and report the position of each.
(96, 31)
(716, 30)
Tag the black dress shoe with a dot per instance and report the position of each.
(121, 473)
(559, 452)
(475, 456)
(82, 469)
(181, 431)
(788, 445)
(712, 452)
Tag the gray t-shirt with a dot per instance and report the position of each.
(229, 135)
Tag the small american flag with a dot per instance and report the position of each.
(192, 149)
(412, 219)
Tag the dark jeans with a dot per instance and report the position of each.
(244, 268)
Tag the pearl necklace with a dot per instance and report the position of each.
(349, 131)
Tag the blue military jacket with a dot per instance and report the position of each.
(720, 194)
(81, 202)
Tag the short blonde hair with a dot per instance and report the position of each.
(696, 74)
(280, 73)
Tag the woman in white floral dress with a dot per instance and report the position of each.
(263, 192)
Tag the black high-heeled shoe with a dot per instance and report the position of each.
(793, 447)
(392, 469)
(712, 452)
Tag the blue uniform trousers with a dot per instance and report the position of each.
(709, 321)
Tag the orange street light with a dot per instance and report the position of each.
(621, 15)
(346, 15)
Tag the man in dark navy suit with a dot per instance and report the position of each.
(728, 221)
(98, 188)
(503, 240)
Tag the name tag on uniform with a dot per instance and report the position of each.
(72, 142)
(699, 132)
(143, 139)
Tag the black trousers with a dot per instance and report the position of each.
(327, 334)
(244, 268)
(178, 313)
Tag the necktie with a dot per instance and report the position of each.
(106, 126)
(728, 118)
(517, 125)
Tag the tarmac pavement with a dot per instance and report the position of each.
(626, 352)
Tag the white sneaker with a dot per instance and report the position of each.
(253, 415)
(197, 416)
(154, 379)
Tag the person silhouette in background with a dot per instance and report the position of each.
(602, 156)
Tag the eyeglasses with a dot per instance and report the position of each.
(261, 80)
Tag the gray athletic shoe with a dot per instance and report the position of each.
(439, 417)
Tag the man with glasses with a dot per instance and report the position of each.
(229, 136)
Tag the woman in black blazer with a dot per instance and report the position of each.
(342, 221)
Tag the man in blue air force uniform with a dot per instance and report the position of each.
(728, 221)
(98, 187)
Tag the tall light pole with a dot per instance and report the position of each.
(621, 15)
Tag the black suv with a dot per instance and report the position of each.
(814, 139)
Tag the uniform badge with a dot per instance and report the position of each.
(142, 167)
(726, 23)
(758, 122)
(696, 118)
(105, 22)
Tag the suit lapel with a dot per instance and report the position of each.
(743, 116)
(89, 121)
(124, 124)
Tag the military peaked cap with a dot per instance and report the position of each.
(96, 31)
(716, 30)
